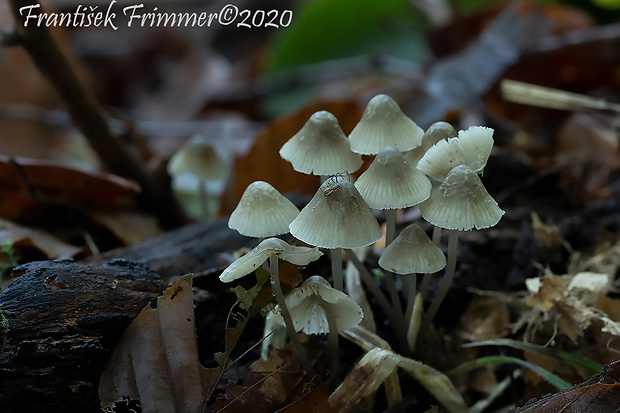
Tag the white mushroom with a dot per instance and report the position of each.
(272, 249)
(262, 212)
(336, 217)
(384, 124)
(321, 148)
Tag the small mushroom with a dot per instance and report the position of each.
(272, 249)
(472, 147)
(198, 159)
(436, 132)
(390, 182)
(262, 212)
(460, 203)
(317, 308)
(336, 217)
(412, 252)
(321, 148)
(384, 124)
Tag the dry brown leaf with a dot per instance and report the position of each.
(315, 402)
(484, 319)
(23, 238)
(156, 360)
(56, 184)
(593, 398)
(129, 226)
(550, 289)
(587, 151)
(267, 386)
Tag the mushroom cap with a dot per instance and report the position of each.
(309, 303)
(336, 217)
(472, 147)
(271, 246)
(321, 147)
(390, 182)
(262, 212)
(384, 124)
(436, 132)
(412, 252)
(461, 202)
(198, 158)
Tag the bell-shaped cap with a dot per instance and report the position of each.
(336, 217)
(310, 303)
(461, 202)
(384, 124)
(472, 147)
(436, 132)
(271, 246)
(197, 158)
(262, 212)
(321, 148)
(390, 182)
(412, 252)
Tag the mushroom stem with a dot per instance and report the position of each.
(427, 277)
(390, 232)
(336, 257)
(411, 293)
(390, 225)
(396, 319)
(332, 348)
(453, 239)
(288, 320)
(204, 200)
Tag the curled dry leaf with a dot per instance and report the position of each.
(383, 362)
(58, 184)
(156, 360)
(599, 394)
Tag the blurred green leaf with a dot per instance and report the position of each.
(576, 361)
(326, 29)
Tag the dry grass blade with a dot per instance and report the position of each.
(530, 94)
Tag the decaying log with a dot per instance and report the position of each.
(199, 248)
(63, 320)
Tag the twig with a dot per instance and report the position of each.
(156, 196)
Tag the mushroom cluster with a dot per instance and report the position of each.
(407, 160)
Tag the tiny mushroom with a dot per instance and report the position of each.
(199, 159)
(472, 147)
(460, 203)
(321, 148)
(384, 124)
(412, 252)
(336, 217)
(262, 212)
(272, 249)
(390, 182)
(317, 308)
(436, 132)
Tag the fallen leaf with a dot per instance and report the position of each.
(27, 182)
(24, 240)
(156, 360)
(592, 398)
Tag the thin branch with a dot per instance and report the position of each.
(87, 115)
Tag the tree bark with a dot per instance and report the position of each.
(61, 322)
